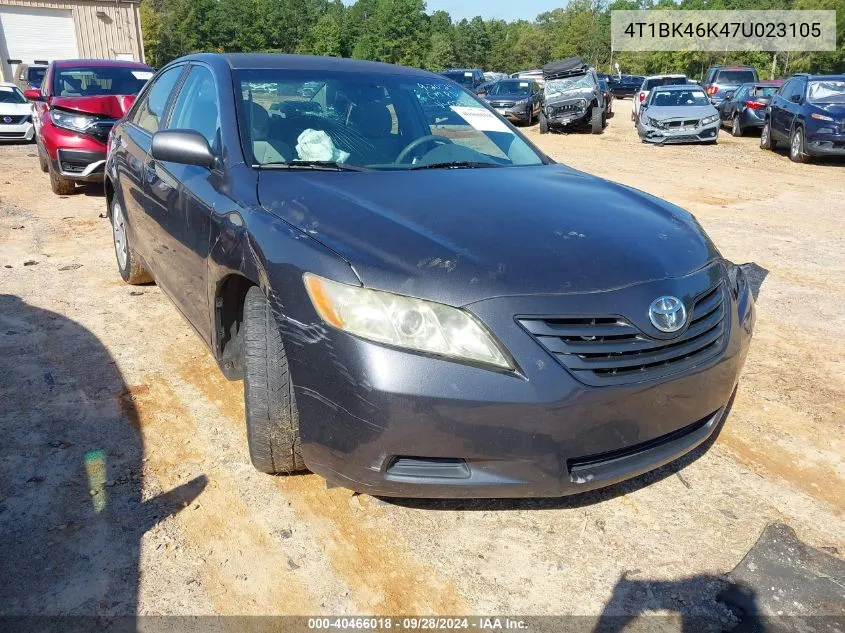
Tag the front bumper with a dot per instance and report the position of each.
(825, 140)
(389, 422)
(514, 115)
(18, 132)
(80, 165)
(702, 134)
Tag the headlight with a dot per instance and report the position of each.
(71, 120)
(709, 119)
(821, 117)
(402, 321)
(655, 123)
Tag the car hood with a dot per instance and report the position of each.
(568, 95)
(114, 106)
(680, 112)
(833, 109)
(15, 109)
(462, 235)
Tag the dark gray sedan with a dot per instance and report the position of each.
(678, 114)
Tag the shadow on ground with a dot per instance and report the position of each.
(71, 508)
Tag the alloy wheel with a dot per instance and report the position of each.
(119, 230)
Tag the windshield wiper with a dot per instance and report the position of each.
(315, 165)
(456, 164)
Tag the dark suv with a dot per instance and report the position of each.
(721, 79)
(809, 113)
(469, 78)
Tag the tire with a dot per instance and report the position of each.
(128, 265)
(736, 127)
(530, 117)
(60, 185)
(766, 140)
(596, 120)
(43, 161)
(797, 153)
(544, 123)
(272, 419)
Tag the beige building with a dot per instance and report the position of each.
(39, 31)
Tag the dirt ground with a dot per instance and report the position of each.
(126, 487)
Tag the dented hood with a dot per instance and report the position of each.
(114, 106)
(462, 235)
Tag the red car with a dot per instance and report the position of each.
(76, 107)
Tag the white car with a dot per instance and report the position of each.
(15, 115)
(652, 82)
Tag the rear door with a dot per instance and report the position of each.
(131, 146)
(778, 113)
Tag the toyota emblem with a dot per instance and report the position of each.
(667, 314)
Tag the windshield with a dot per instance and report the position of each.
(664, 81)
(735, 77)
(671, 98)
(558, 86)
(99, 80)
(11, 95)
(35, 74)
(463, 77)
(379, 121)
(828, 91)
(519, 88)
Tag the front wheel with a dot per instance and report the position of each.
(272, 419)
(544, 123)
(597, 120)
(797, 153)
(60, 185)
(766, 141)
(43, 161)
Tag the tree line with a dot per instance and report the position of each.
(402, 32)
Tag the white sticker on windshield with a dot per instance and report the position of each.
(523, 84)
(481, 119)
(143, 75)
(467, 74)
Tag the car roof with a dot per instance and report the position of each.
(732, 68)
(6, 84)
(271, 61)
(822, 77)
(66, 63)
(662, 76)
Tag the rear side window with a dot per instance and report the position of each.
(735, 77)
(764, 92)
(149, 112)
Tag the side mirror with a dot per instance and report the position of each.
(644, 106)
(795, 98)
(182, 146)
(33, 94)
(729, 94)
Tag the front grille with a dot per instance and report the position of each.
(682, 125)
(100, 129)
(568, 108)
(609, 350)
(12, 135)
(14, 120)
(503, 104)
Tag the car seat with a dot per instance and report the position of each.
(265, 149)
(375, 123)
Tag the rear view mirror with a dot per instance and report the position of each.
(182, 146)
(33, 94)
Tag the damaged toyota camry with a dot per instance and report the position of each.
(420, 302)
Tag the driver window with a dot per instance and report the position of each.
(197, 107)
(149, 112)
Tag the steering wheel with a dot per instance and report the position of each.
(431, 138)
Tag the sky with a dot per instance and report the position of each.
(502, 9)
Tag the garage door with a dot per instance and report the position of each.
(34, 34)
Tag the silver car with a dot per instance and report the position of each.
(678, 114)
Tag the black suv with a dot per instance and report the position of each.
(809, 113)
(722, 79)
(572, 97)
